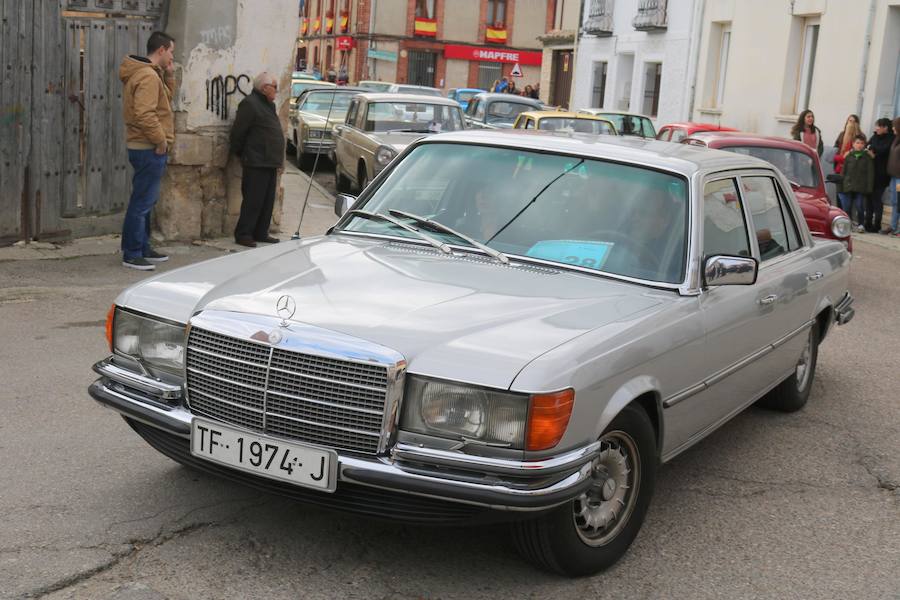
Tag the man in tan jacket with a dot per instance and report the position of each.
(149, 85)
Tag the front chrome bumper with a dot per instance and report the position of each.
(498, 484)
(317, 145)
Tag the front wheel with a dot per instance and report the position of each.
(591, 532)
(791, 394)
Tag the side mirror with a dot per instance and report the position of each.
(342, 204)
(729, 270)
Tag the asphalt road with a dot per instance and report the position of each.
(771, 506)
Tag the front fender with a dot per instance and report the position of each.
(626, 394)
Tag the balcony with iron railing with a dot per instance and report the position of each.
(600, 18)
(651, 16)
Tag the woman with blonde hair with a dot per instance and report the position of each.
(844, 142)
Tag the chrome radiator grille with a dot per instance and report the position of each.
(325, 401)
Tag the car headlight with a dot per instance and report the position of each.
(316, 133)
(841, 226)
(384, 155)
(461, 411)
(156, 343)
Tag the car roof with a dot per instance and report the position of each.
(680, 158)
(412, 85)
(562, 114)
(615, 112)
(509, 98)
(411, 98)
(737, 138)
(342, 89)
(696, 124)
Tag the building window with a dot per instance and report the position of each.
(652, 78)
(488, 73)
(425, 9)
(598, 95)
(722, 68)
(496, 13)
(807, 65)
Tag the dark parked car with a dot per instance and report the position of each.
(498, 111)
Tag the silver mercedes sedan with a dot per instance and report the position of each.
(504, 325)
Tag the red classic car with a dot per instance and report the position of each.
(676, 132)
(800, 164)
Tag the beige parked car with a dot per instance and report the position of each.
(318, 110)
(380, 126)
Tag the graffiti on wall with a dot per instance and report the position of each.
(219, 92)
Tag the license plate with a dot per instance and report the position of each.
(270, 457)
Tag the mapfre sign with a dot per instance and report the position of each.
(492, 55)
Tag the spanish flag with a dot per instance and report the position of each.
(329, 24)
(345, 22)
(304, 27)
(495, 35)
(426, 27)
(317, 24)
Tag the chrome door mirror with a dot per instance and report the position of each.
(729, 270)
(342, 204)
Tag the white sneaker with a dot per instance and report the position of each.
(860, 229)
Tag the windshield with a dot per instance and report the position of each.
(571, 125)
(375, 86)
(505, 112)
(321, 102)
(631, 124)
(297, 87)
(406, 89)
(419, 116)
(798, 167)
(602, 216)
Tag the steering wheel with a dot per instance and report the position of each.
(646, 259)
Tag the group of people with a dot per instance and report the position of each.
(508, 86)
(256, 138)
(864, 168)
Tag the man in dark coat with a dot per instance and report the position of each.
(257, 138)
(879, 148)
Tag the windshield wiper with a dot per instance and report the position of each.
(408, 131)
(440, 226)
(380, 217)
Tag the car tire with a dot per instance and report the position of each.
(363, 177)
(341, 183)
(590, 533)
(292, 144)
(791, 394)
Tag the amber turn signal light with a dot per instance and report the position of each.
(548, 417)
(109, 326)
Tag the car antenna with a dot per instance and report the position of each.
(312, 174)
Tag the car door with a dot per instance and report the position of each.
(787, 268)
(733, 323)
(341, 132)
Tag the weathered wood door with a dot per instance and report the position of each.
(63, 164)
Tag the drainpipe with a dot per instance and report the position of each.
(694, 58)
(372, 61)
(575, 51)
(863, 71)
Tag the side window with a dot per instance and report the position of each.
(470, 109)
(479, 111)
(724, 227)
(361, 115)
(529, 123)
(793, 233)
(761, 196)
(351, 112)
(678, 135)
(664, 134)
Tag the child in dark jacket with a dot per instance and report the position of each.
(859, 176)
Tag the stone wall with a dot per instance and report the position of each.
(220, 48)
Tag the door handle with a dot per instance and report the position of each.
(766, 300)
(814, 276)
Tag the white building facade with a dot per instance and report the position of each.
(638, 56)
(763, 62)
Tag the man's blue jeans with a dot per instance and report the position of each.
(850, 199)
(148, 171)
(895, 213)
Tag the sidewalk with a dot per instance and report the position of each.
(319, 217)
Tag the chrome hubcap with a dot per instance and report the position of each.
(602, 511)
(802, 370)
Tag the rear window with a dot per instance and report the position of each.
(798, 167)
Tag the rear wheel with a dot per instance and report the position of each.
(791, 394)
(591, 532)
(363, 177)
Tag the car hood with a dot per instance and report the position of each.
(316, 120)
(399, 140)
(460, 317)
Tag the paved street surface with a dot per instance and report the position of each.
(771, 506)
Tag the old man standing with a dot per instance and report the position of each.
(257, 138)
